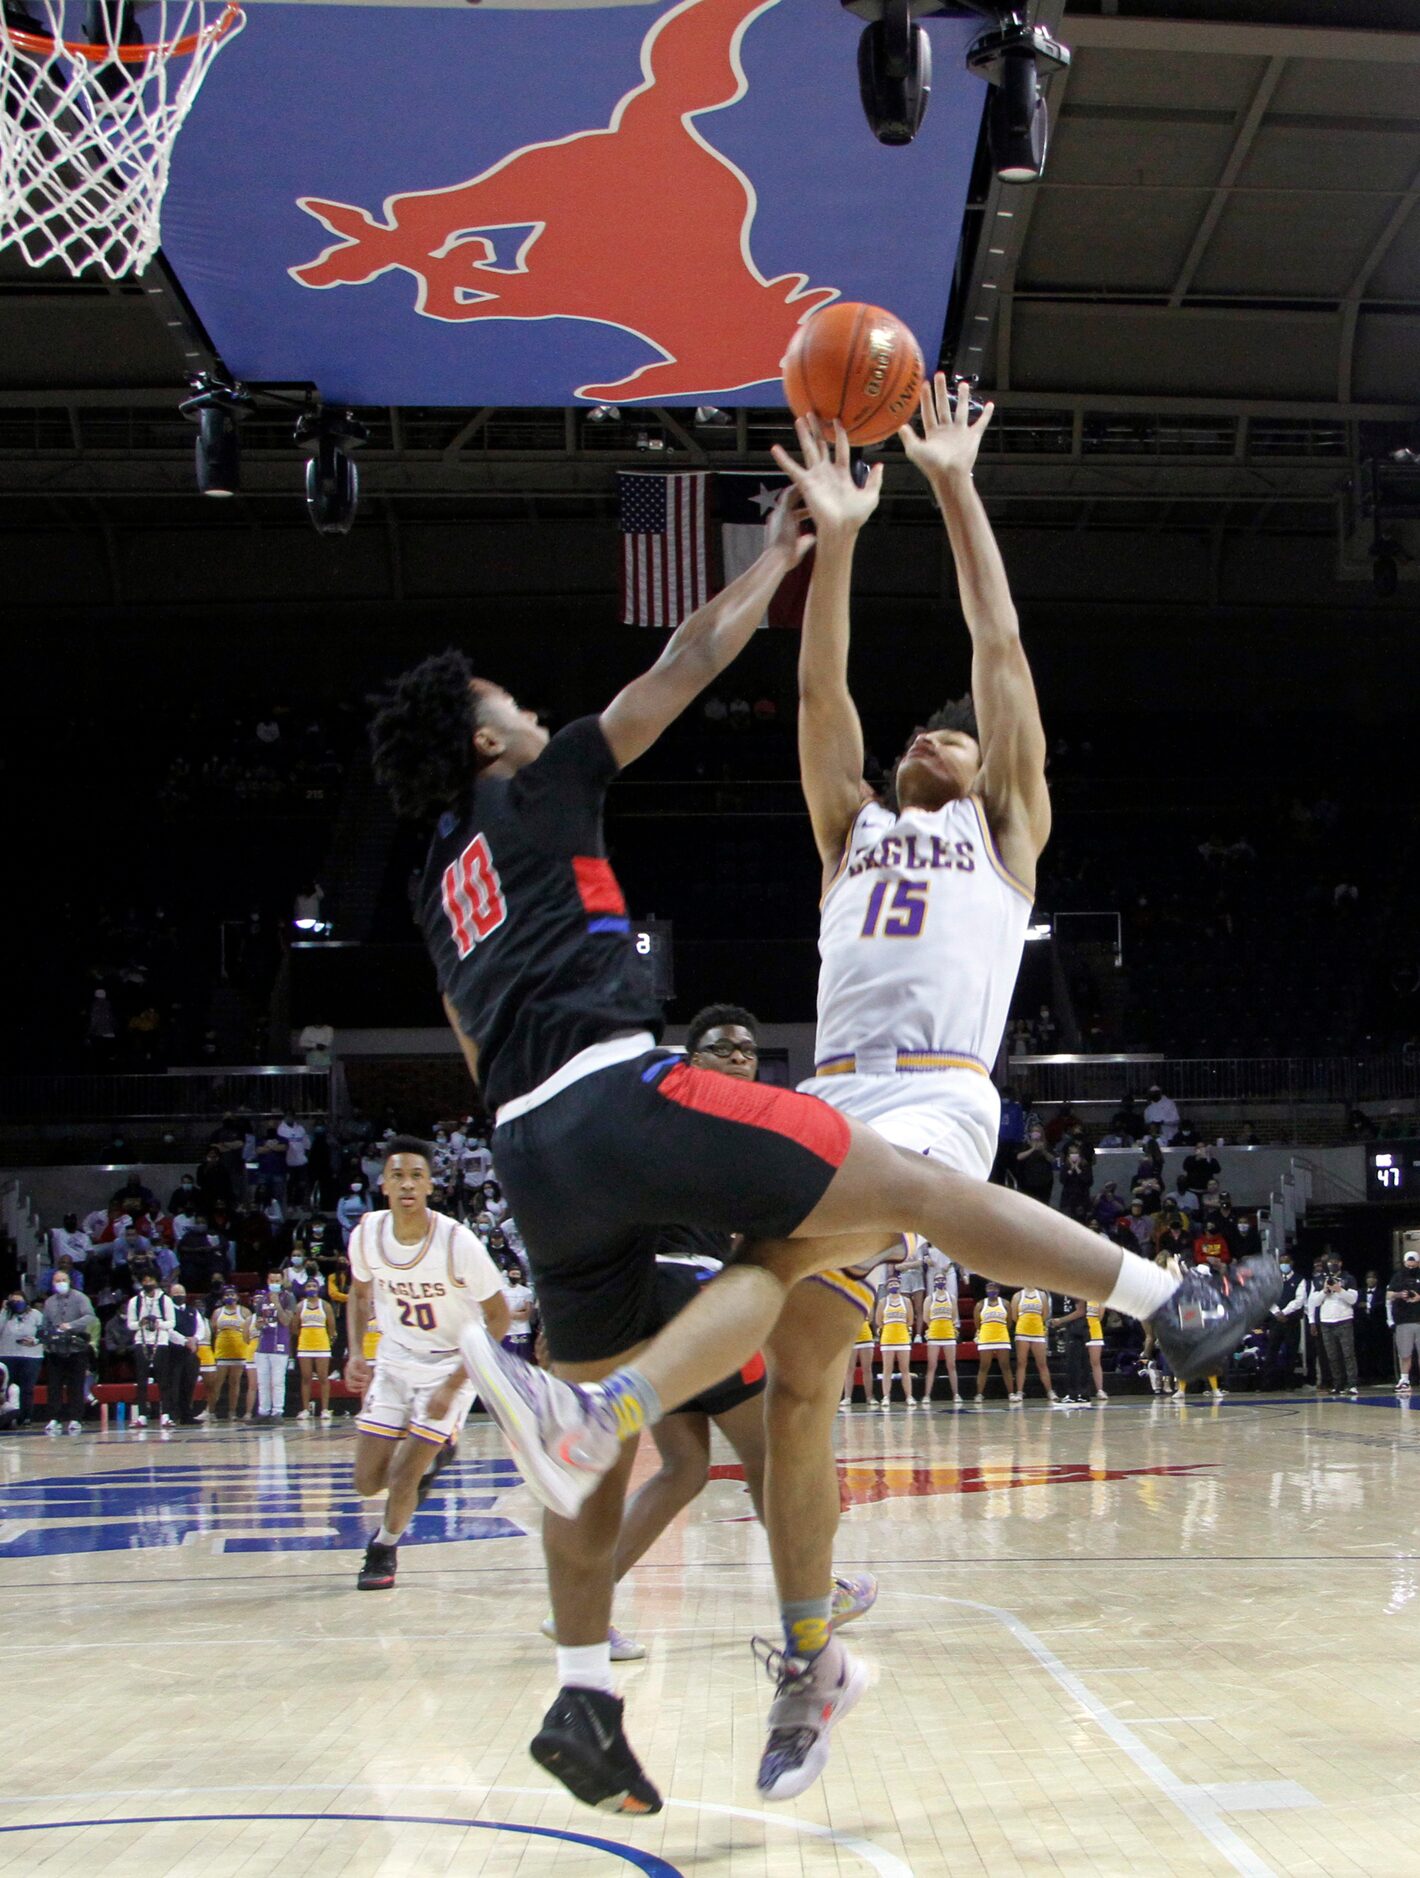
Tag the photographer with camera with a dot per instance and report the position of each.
(151, 1319)
(1331, 1307)
(70, 1326)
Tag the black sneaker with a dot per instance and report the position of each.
(581, 1744)
(445, 1457)
(377, 1573)
(1207, 1318)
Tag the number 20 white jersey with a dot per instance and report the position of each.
(920, 943)
(425, 1294)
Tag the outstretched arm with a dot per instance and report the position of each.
(830, 735)
(701, 648)
(1007, 714)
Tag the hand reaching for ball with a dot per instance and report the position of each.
(825, 481)
(949, 440)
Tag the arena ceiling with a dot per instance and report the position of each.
(1214, 288)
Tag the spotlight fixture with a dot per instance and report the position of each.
(604, 414)
(332, 480)
(1013, 58)
(710, 417)
(894, 66)
(895, 75)
(649, 440)
(217, 409)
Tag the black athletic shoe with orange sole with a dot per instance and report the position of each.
(581, 1743)
(377, 1573)
(1207, 1318)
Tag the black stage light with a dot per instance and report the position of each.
(1012, 58)
(217, 409)
(332, 480)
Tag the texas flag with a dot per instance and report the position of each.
(743, 500)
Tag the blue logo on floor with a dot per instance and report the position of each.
(270, 1504)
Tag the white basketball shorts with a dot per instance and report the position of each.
(949, 1114)
(397, 1401)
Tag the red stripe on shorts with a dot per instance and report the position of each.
(753, 1370)
(597, 884)
(813, 1124)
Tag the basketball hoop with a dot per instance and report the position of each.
(87, 126)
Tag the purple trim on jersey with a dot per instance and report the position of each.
(608, 925)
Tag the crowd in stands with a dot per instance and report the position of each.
(216, 1280)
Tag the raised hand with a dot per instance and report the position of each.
(824, 480)
(783, 530)
(949, 440)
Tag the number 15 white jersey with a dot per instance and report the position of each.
(920, 943)
(425, 1294)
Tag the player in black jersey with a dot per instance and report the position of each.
(601, 1137)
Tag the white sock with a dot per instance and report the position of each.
(385, 1537)
(587, 1667)
(1141, 1287)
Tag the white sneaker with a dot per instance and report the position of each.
(1015, 1396)
(844, 1406)
(54, 1428)
(563, 1438)
(166, 1421)
(139, 1421)
(624, 1649)
(76, 1428)
(810, 1698)
(1100, 1396)
(1218, 1394)
(1403, 1386)
(912, 1401)
(1354, 1394)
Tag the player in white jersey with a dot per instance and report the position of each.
(427, 1278)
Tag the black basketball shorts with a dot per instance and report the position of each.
(594, 1173)
(676, 1285)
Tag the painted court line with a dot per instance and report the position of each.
(886, 1864)
(1202, 1806)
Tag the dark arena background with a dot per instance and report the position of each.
(447, 300)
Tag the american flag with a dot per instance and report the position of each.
(665, 570)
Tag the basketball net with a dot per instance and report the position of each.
(87, 125)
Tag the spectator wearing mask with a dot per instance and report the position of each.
(1075, 1184)
(1173, 1234)
(1403, 1297)
(64, 1268)
(150, 1318)
(231, 1333)
(314, 1325)
(22, 1349)
(184, 1200)
(1161, 1114)
(273, 1312)
(1331, 1307)
(177, 1379)
(1186, 1200)
(69, 1330)
(1285, 1326)
(271, 1169)
(1033, 1166)
(351, 1208)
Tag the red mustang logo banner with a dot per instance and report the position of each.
(602, 203)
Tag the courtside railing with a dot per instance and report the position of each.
(1199, 1079)
(176, 1096)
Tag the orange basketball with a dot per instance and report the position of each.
(855, 363)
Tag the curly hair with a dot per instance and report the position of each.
(421, 738)
(955, 714)
(713, 1017)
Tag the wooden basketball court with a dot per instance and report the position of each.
(1134, 1639)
